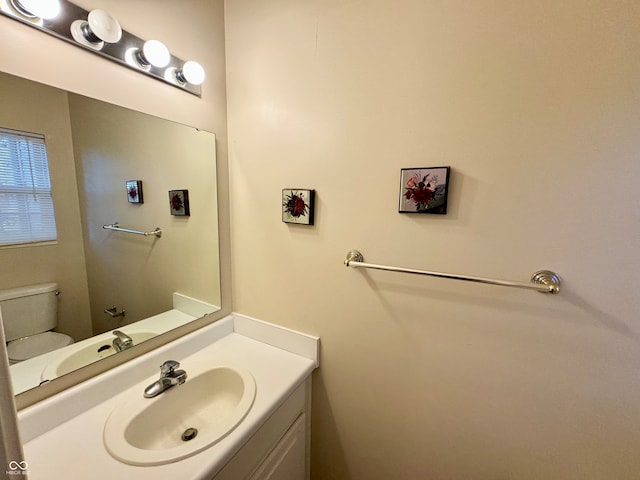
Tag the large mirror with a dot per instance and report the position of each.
(109, 165)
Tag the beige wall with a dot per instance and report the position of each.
(535, 106)
(32, 107)
(113, 145)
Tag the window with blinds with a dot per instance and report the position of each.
(26, 204)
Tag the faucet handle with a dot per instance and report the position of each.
(168, 367)
(126, 339)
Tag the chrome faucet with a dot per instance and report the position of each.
(122, 342)
(169, 377)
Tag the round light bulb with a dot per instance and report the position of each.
(193, 72)
(45, 9)
(104, 26)
(156, 53)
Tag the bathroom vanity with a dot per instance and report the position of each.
(66, 435)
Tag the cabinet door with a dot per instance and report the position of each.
(287, 459)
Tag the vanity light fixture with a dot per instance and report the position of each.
(33, 9)
(99, 32)
(191, 72)
(153, 53)
(100, 27)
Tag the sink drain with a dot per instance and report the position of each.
(189, 434)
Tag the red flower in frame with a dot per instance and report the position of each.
(295, 205)
(176, 202)
(421, 189)
(133, 193)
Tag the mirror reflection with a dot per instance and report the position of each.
(90, 292)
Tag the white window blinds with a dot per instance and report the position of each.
(26, 205)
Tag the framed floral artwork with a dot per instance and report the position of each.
(424, 190)
(298, 206)
(179, 202)
(134, 191)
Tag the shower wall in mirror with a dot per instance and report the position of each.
(94, 149)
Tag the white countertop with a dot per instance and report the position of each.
(63, 434)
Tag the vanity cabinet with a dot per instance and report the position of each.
(279, 450)
(287, 459)
(271, 442)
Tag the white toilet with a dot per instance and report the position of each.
(29, 314)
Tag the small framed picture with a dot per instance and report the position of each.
(298, 205)
(179, 202)
(134, 191)
(424, 190)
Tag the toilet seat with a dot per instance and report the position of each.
(34, 345)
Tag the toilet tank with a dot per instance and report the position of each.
(29, 310)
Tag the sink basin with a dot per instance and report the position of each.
(81, 354)
(181, 421)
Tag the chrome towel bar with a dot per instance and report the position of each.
(114, 226)
(543, 281)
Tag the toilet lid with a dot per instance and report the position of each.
(34, 345)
